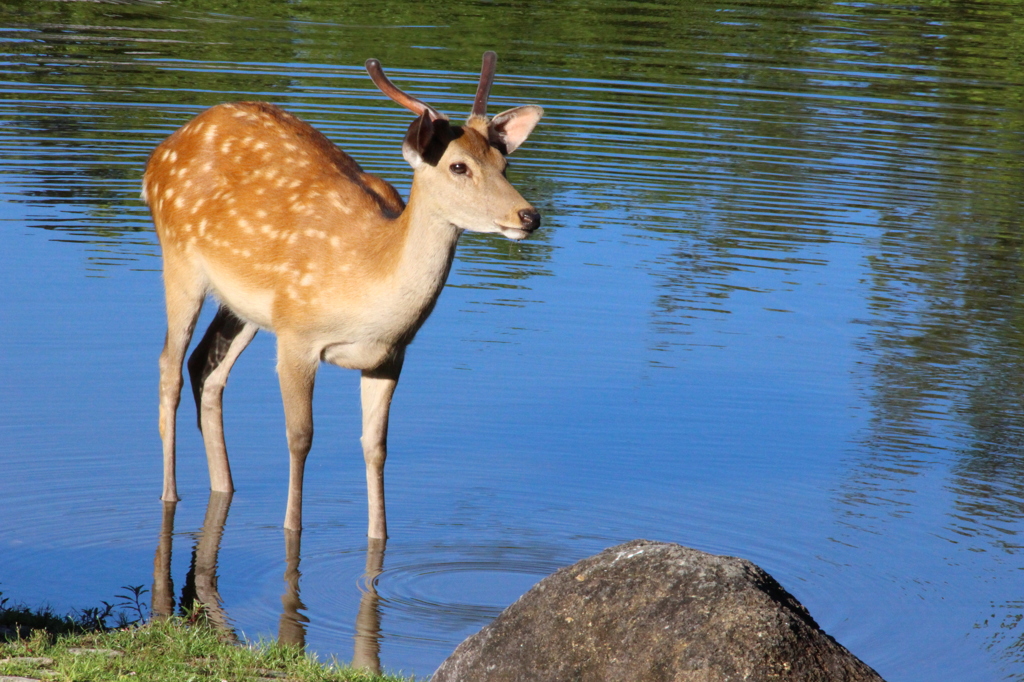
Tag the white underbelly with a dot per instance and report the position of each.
(358, 354)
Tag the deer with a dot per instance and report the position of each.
(286, 232)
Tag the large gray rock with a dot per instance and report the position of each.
(650, 611)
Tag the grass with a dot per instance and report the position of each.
(82, 647)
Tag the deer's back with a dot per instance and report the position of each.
(265, 206)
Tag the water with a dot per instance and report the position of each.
(775, 311)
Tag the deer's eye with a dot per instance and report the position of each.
(459, 168)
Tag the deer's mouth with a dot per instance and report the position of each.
(514, 232)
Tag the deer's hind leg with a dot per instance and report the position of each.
(208, 368)
(185, 290)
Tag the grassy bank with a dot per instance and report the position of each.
(42, 646)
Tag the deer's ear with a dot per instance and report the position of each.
(417, 140)
(509, 129)
(426, 140)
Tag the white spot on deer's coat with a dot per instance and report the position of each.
(339, 204)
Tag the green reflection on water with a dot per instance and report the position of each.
(744, 139)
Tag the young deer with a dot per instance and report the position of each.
(289, 234)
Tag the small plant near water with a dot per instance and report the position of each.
(18, 620)
(130, 611)
(85, 646)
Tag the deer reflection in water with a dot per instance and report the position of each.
(291, 628)
(367, 651)
(200, 590)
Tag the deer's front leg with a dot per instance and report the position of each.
(376, 388)
(296, 371)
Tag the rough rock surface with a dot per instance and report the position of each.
(650, 611)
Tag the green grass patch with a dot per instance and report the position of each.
(80, 648)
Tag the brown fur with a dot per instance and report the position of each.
(287, 231)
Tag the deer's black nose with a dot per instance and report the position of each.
(530, 217)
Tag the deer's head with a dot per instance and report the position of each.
(463, 167)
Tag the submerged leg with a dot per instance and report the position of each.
(162, 602)
(204, 563)
(367, 649)
(208, 369)
(376, 388)
(291, 628)
(185, 296)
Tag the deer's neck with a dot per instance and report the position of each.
(425, 257)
